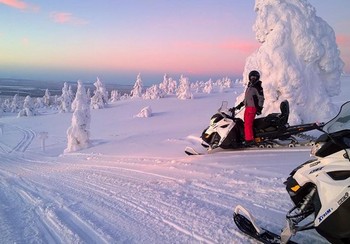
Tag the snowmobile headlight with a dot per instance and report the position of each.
(212, 121)
(315, 148)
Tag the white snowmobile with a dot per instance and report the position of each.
(227, 132)
(319, 189)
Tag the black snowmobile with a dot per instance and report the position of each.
(227, 132)
(318, 188)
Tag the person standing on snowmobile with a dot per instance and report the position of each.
(253, 102)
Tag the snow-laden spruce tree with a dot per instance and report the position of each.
(15, 104)
(100, 98)
(78, 134)
(39, 103)
(46, 98)
(28, 108)
(163, 86)
(153, 92)
(184, 89)
(88, 93)
(115, 96)
(226, 82)
(6, 105)
(208, 87)
(168, 86)
(65, 99)
(298, 60)
(172, 86)
(136, 92)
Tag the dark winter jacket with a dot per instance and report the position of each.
(254, 96)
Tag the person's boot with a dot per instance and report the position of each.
(251, 143)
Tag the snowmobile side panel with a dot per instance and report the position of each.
(338, 222)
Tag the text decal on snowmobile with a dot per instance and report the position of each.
(343, 199)
(315, 170)
(315, 163)
(323, 216)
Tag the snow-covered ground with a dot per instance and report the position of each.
(135, 184)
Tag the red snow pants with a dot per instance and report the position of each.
(249, 115)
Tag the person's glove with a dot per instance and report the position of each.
(258, 110)
(239, 106)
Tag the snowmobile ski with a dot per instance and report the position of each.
(246, 224)
(265, 147)
(191, 151)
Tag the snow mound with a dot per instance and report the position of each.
(145, 112)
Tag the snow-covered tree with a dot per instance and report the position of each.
(88, 92)
(197, 86)
(39, 103)
(46, 98)
(298, 60)
(184, 89)
(100, 98)
(153, 92)
(115, 96)
(71, 92)
(125, 96)
(65, 99)
(164, 85)
(56, 101)
(78, 134)
(172, 86)
(136, 92)
(6, 105)
(28, 108)
(208, 87)
(226, 82)
(15, 104)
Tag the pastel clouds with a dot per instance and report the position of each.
(66, 18)
(240, 45)
(18, 4)
(236, 45)
(343, 39)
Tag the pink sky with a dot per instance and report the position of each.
(199, 37)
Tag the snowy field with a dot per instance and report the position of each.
(135, 184)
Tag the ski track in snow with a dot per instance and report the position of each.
(105, 199)
(22, 138)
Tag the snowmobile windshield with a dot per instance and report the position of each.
(224, 109)
(338, 131)
(340, 122)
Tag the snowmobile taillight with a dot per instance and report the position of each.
(258, 139)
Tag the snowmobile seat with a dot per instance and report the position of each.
(273, 121)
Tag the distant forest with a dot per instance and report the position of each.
(33, 88)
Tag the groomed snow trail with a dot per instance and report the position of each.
(86, 198)
(17, 139)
